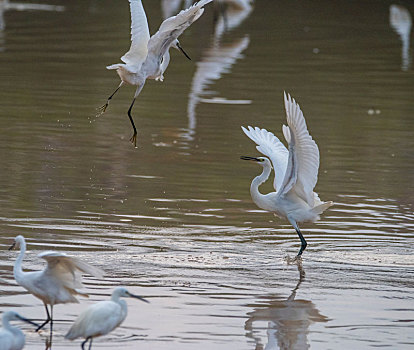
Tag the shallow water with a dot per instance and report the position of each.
(173, 219)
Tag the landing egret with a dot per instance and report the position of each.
(148, 57)
(12, 338)
(58, 283)
(296, 171)
(102, 317)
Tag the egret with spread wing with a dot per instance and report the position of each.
(296, 171)
(148, 57)
(102, 317)
(58, 283)
(11, 337)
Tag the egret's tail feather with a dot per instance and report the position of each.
(319, 209)
(115, 66)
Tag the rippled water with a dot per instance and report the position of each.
(173, 220)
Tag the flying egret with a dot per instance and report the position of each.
(102, 317)
(296, 171)
(58, 283)
(148, 57)
(12, 338)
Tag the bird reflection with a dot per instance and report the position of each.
(230, 14)
(172, 7)
(288, 321)
(400, 21)
(217, 60)
(5, 5)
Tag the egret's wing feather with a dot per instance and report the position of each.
(269, 145)
(305, 152)
(67, 269)
(139, 35)
(173, 27)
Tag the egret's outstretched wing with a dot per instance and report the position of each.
(303, 164)
(269, 145)
(139, 35)
(67, 269)
(173, 27)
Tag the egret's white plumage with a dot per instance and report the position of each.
(101, 318)
(11, 337)
(296, 171)
(148, 57)
(58, 283)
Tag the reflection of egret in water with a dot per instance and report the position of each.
(216, 61)
(172, 7)
(400, 21)
(230, 15)
(288, 321)
(5, 5)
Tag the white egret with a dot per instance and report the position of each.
(296, 171)
(102, 317)
(58, 283)
(11, 337)
(148, 57)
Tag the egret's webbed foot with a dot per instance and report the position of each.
(133, 139)
(101, 110)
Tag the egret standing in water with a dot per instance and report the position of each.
(58, 283)
(12, 338)
(296, 171)
(102, 317)
(148, 57)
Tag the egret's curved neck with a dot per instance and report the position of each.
(257, 181)
(5, 322)
(116, 298)
(17, 269)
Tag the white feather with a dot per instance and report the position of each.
(305, 152)
(139, 35)
(269, 145)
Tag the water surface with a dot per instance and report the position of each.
(173, 219)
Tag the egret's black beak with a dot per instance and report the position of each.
(250, 158)
(182, 50)
(27, 321)
(138, 297)
(12, 246)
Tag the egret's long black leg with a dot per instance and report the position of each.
(302, 240)
(102, 109)
(84, 342)
(90, 344)
(133, 139)
(51, 322)
(47, 320)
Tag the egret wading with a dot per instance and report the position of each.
(148, 57)
(11, 337)
(58, 283)
(296, 171)
(101, 318)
